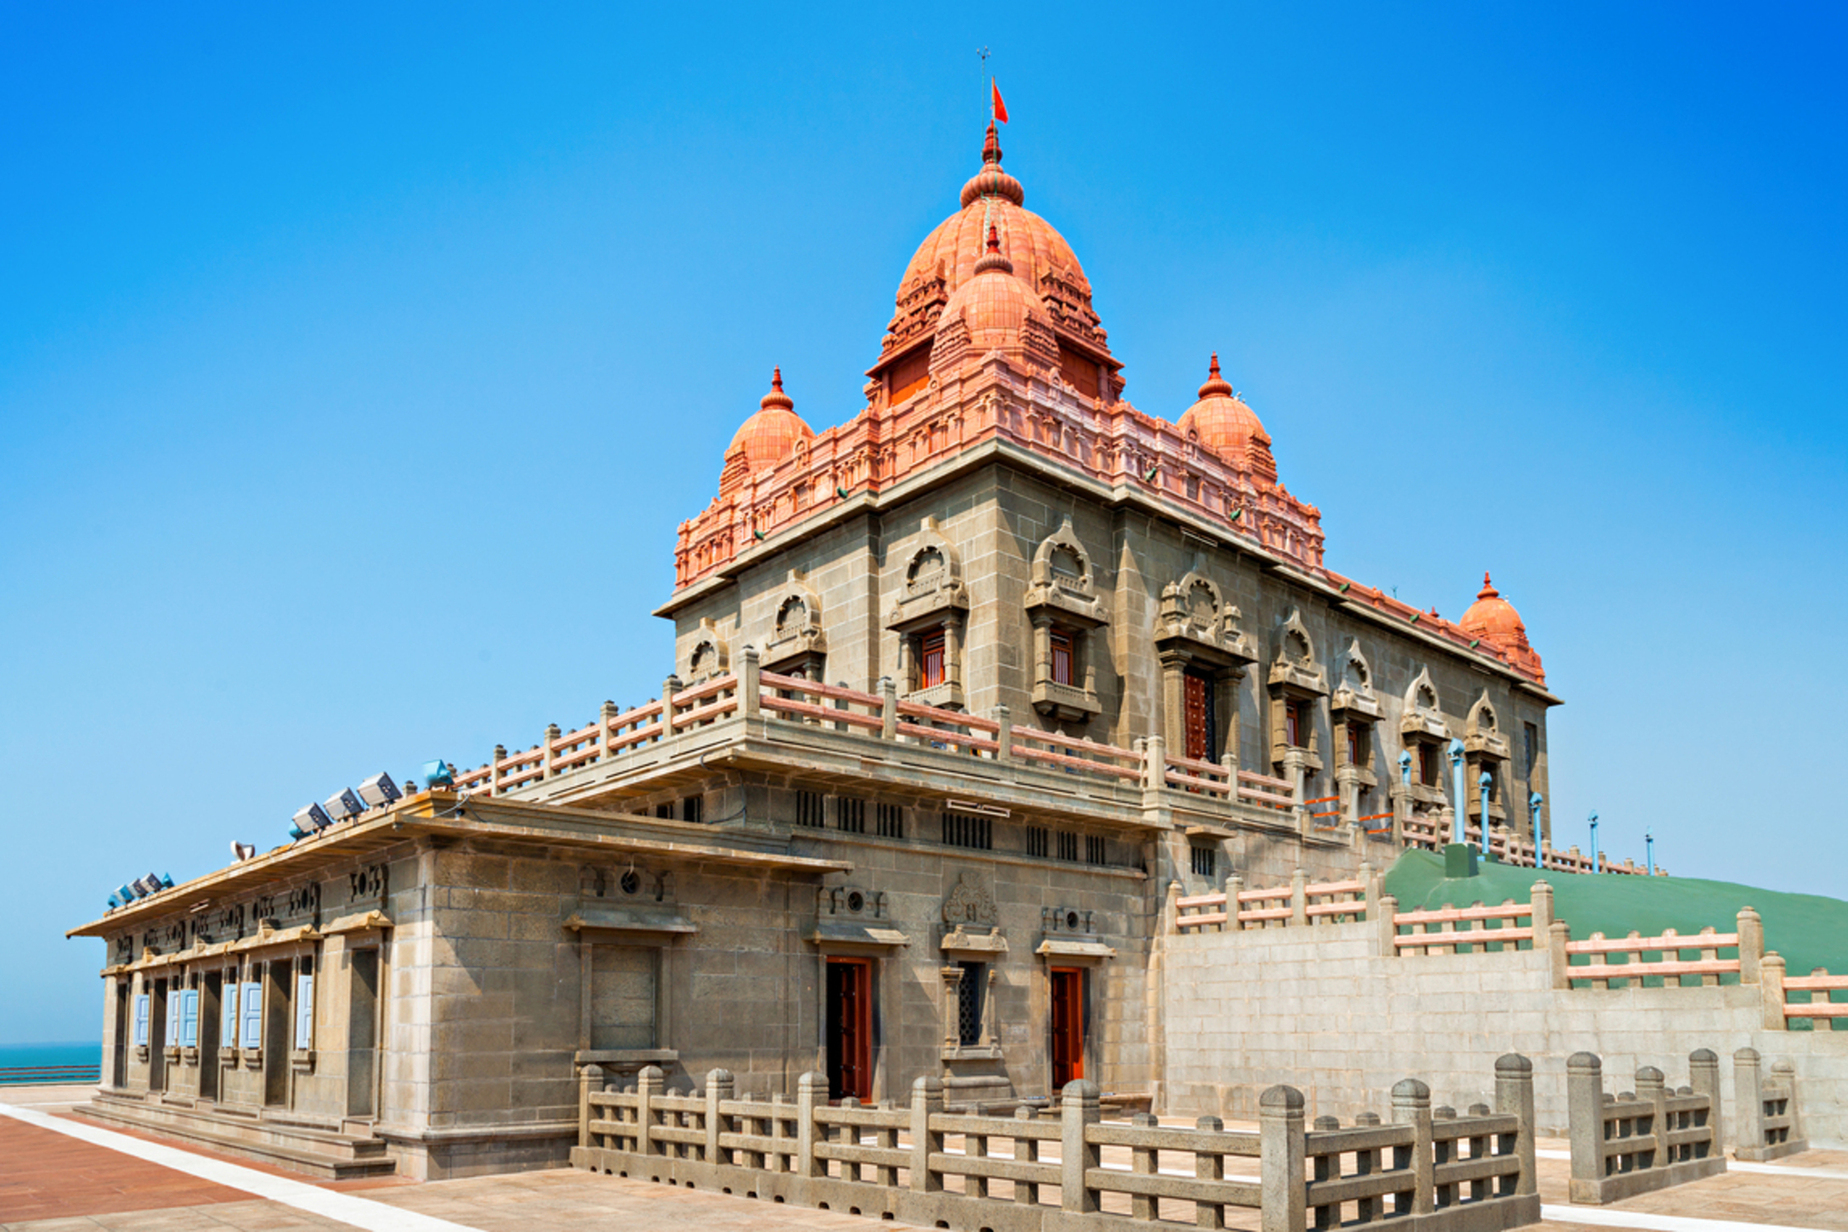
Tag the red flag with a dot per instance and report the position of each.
(1000, 108)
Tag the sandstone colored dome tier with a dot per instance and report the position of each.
(994, 304)
(1228, 427)
(1493, 620)
(768, 436)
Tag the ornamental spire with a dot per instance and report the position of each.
(1215, 384)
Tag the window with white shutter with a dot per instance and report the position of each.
(141, 1020)
(252, 1009)
(189, 1018)
(227, 1016)
(304, 1011)
(174, 999)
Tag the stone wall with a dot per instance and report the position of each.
(1321, 1009)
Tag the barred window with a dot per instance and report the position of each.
(969, 990)
(1095, 850)
(850, 814)
(1068, 846)
(1205, 862)
(809, 809)
(1037, 841)
(960, 830)
(891, 821)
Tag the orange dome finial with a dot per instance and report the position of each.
(1215, 384)
(991, 180)
(1488, 590)
(994, 258)
(776, 397)
(991, 149)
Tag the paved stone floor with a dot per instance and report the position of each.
(53, 1182)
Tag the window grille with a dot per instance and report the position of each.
(1068, 846)
(891, 821)
(1095, 850)
(976, 833)
(930, 660)
(1037, 841)
(969, 990)
(1062, 650)
(1205, 862)
(809, 809)
(850, 814)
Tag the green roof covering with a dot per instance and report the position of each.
(1808, 930)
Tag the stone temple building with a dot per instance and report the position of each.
(965, 691)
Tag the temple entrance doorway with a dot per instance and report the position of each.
(1198, 700)
(208, 1034)
(1067, 1026)
(850, 1028)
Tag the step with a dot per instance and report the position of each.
(248, 1124)
(316, 1153)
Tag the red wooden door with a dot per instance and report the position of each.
(1067, 1026)
(850, 1028)
(1199, 717)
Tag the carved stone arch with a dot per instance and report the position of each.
(1421, 694)
(1203, 653)
(1061, 564)
(1482, 717)
(708, 654)
(796, 645)
(1064, 608)
(928, 614)
(1485, 751)
(1295, 666)
(1354, 694)
(1297, 683)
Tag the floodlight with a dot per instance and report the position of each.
(126, 894)
(142, 887)
(242, 851)
(436, 774)
(379, 790)
(297, 833)
(114, 902)
(312, 818)
(166, 881)
(343, 805)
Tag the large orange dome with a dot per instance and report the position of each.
(946, 260)
(1492, 620)
(995, 305)
(769, 436)
(1228, 427)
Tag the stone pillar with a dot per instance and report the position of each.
(1004, 738)
(494, 761)
(1786, 1073)
(1540, 897)
(1154, 770)
(1281, 1160)
(719, 1085)
(1651, 1090)
(952, 652)
(1078, 1109)
(545, 750)
(1514, 1095)
(1174, 701)
(1748, 1100)
(648, 1085)
(1142, 1163)
(1384, 927)
(1556, 936)
(926, 1102)
(1299, 899)
(608, 712)
(811, 1093)
(1411, 1105)
(1234, 886)
(750, 684)
(1704, 1079)
(1026, 1150)
(1209, 1168)
(1585, 1117)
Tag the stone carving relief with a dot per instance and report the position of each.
(707, 654)
(1062, 577)
(851, 902)
(1193, 611)
(1354, 695)
(796, 643)
(970, 903)
(1482, 734)
(932, 581)
(1421, 716)
(1295, 667)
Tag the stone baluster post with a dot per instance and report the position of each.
(1771, 989)
(811, 1093)
(1540, 898)
(494, 769)
(648, 1086)
(750, 684)
(1004, 738)
(1748, 1100)
(888, 709)
(1235, 885)
(1585, 1117)
(604, 734)
(1411, 1105)
(719, 1084)
(1785, 1073)
(1209, 1167)
(1154, 770)
(778, 1158)
(1282, 1157)
(1557, 935)
(1026, 1193)
(1142, 1163)
(590, 1078)
(1514, 1094)
(1299, 899)
(1704, 1079)
(1078, 1110)
(1751, 945)
(546, 752)
(926, 1102)
(1385, 927)
(1652, 1091)
(669, 687)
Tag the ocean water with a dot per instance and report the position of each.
(14, 1056)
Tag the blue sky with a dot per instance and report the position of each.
(357, 365)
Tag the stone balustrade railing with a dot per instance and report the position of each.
(1299, 903)
(1646, 1139)
(1427, 1169)
(1766, 1107)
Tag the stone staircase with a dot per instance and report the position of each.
(343, 1154)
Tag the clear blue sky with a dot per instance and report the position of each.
(357, 365)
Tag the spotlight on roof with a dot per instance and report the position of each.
(379, 790)
(310, 819)
(343, 805)
(242, 851)
(296, 832)
(114, 902)
(126, 894)
(436, 774)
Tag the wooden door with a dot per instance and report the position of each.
(1199, 716)
(850, 1028)
(1067, 1026)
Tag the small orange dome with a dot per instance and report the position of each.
(768, 436)
(1228, 427)
(993, 303)
(1492, 620)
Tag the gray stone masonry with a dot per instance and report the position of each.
(1642, 1140)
